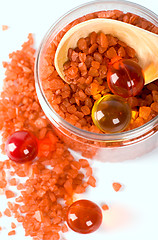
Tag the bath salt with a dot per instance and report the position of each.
(116, 186)
(13, 232)
(4, 27)
(105, 207)
(53, 175)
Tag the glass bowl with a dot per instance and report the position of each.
(102, 147)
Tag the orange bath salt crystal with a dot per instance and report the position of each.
(138, 122)
(56, 220)
(103, 41)
(130, 51)
(95, 64)
(121, 52)
(116, 186)
(20, 186)
(7, 212)
(13, 182)
(111, 53)
(68, 186)
(97, 96)
(9, 194)
(144, 112)
(85, 110)
(84, 163)
(154, 106)
(35, 238)
(38, 216)
(3, 183)
(105, 207)
(12, 173)
(82, 44)
(13, 225)
(20, 173)
(53, 139)
(89, 171)
(93, 48)
(73, 173)
(93, 72)
(0, 228)
(10, 205)
(80, 189)
(56, 236)
(64, 228)
(82, 57)
(46, 145)
(20, 219)
(4, 27)
(3, 175)
(1, 165)
(72, 72)
(15, 207)
(93, 37)
(0, 214)
(134, 115)
(7, 164)
(94, 88)
(11, 233)
(52, 197)
(92, 181)
(76, 165)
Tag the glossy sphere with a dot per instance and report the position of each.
(21, 147)
(111, 114)
(84, 216)
(125, 78)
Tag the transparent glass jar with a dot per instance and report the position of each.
(103, 147)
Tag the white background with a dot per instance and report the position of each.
(133, 213)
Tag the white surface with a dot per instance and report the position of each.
(134, 210)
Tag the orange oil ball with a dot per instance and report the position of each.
(84, 216)
(125, 78)
(111, 114)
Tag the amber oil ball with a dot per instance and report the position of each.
(111, 114)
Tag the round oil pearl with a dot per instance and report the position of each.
(84, 216)
(21, 147)
(111, 114)
(125, 78)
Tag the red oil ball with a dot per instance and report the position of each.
(21, 147)
(84, 216)
(125, 78)
(111, 114)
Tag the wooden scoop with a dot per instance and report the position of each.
(144, 42)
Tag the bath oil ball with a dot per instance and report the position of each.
(111, 114)
(125, 78)
(84, 216)
(21, 147)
